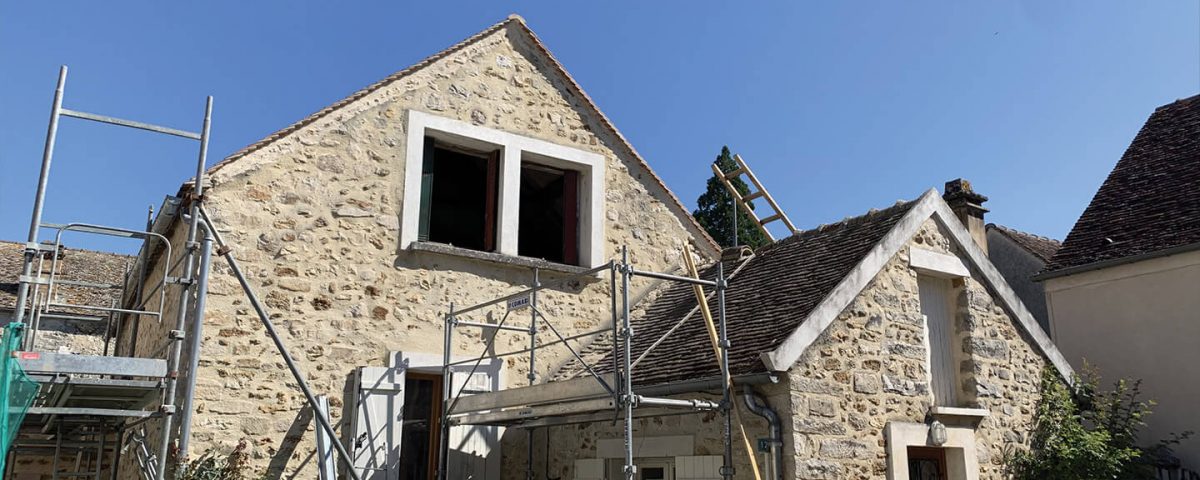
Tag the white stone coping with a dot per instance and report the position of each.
(514, 149)
(937, 264)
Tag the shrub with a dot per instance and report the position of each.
(1084, 433)
(214, 466)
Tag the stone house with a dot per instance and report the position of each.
(451, 181)
(1121, 292)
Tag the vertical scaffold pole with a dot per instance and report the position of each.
(627, 385)
(444, 441)
(533, 312)
(727, 395)
(39, 200)
(169, 407)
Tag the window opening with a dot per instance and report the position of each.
(458, 196)
(548, 226)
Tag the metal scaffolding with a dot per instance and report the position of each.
(592, 398)
(83, 400)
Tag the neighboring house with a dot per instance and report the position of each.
(1019, 256)
(1124, 290)
(449, 182)
(73, 330)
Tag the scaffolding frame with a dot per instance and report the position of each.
(585, 399)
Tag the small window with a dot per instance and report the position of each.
(938, 309)
(926, 463)
(549, 214)
(458, 196)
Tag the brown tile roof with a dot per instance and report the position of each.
(79, 265)
(519, 22)
(1151, 200)
(1041, 247)
(769, 296)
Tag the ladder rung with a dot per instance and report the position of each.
(735, 173)
(752, 196)
(770, 219)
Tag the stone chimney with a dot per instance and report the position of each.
(968, 207)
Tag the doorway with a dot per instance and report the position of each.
(421, 426)
(926, 463)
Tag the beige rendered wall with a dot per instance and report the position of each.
(1139, 321)
(314, 220)
(868, 369)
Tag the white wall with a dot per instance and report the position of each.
(1139, 320)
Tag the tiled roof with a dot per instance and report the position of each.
(701, 234)
(1041, 247)
(1151, 200)
(79, 265)
(769, 296)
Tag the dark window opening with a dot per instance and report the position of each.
(458, 197)
(419, 437)
(549, 216)
(926, 463)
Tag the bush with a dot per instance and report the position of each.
(1084, 433)
(212, 466)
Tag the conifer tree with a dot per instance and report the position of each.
(715, 209)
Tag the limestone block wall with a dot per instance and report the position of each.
(314, 219)
(868, 369)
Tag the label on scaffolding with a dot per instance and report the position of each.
(29, 355)
(518, 303)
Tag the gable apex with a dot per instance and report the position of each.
(703, 240)
(929, 205)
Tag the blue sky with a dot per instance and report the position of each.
(839, 106)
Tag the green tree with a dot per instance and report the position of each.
(1082, 432)
(715, 208)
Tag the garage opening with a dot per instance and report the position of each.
(549, 214)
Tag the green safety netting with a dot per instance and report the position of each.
(15, 386)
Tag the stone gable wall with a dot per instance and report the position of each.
(315, 216)
(868, 369)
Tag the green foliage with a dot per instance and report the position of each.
(213, 466)
(1084, 433)
(714, 209)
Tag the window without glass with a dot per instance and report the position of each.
(458, 196)
(549, 214)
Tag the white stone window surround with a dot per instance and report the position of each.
(514, 149)
(961, 460)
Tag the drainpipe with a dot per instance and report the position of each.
(758, 406)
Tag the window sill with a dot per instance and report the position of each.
(492, 257)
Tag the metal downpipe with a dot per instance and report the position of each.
(759, 406)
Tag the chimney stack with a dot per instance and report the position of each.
(968, 207)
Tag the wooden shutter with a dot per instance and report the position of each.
(426, 189)
(489, 216)
(571, 217)
(936, 307)
(475, 449)
(377, 421)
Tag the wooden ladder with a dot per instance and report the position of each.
(760, 191)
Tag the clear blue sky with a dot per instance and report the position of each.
(839, 106)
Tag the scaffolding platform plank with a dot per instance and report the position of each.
(71, 364)
(553, 392)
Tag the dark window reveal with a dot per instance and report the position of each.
(458, 197)
(549, 217)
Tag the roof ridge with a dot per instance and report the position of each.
(1009, 230)
(76, 249)
(1178, 101)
